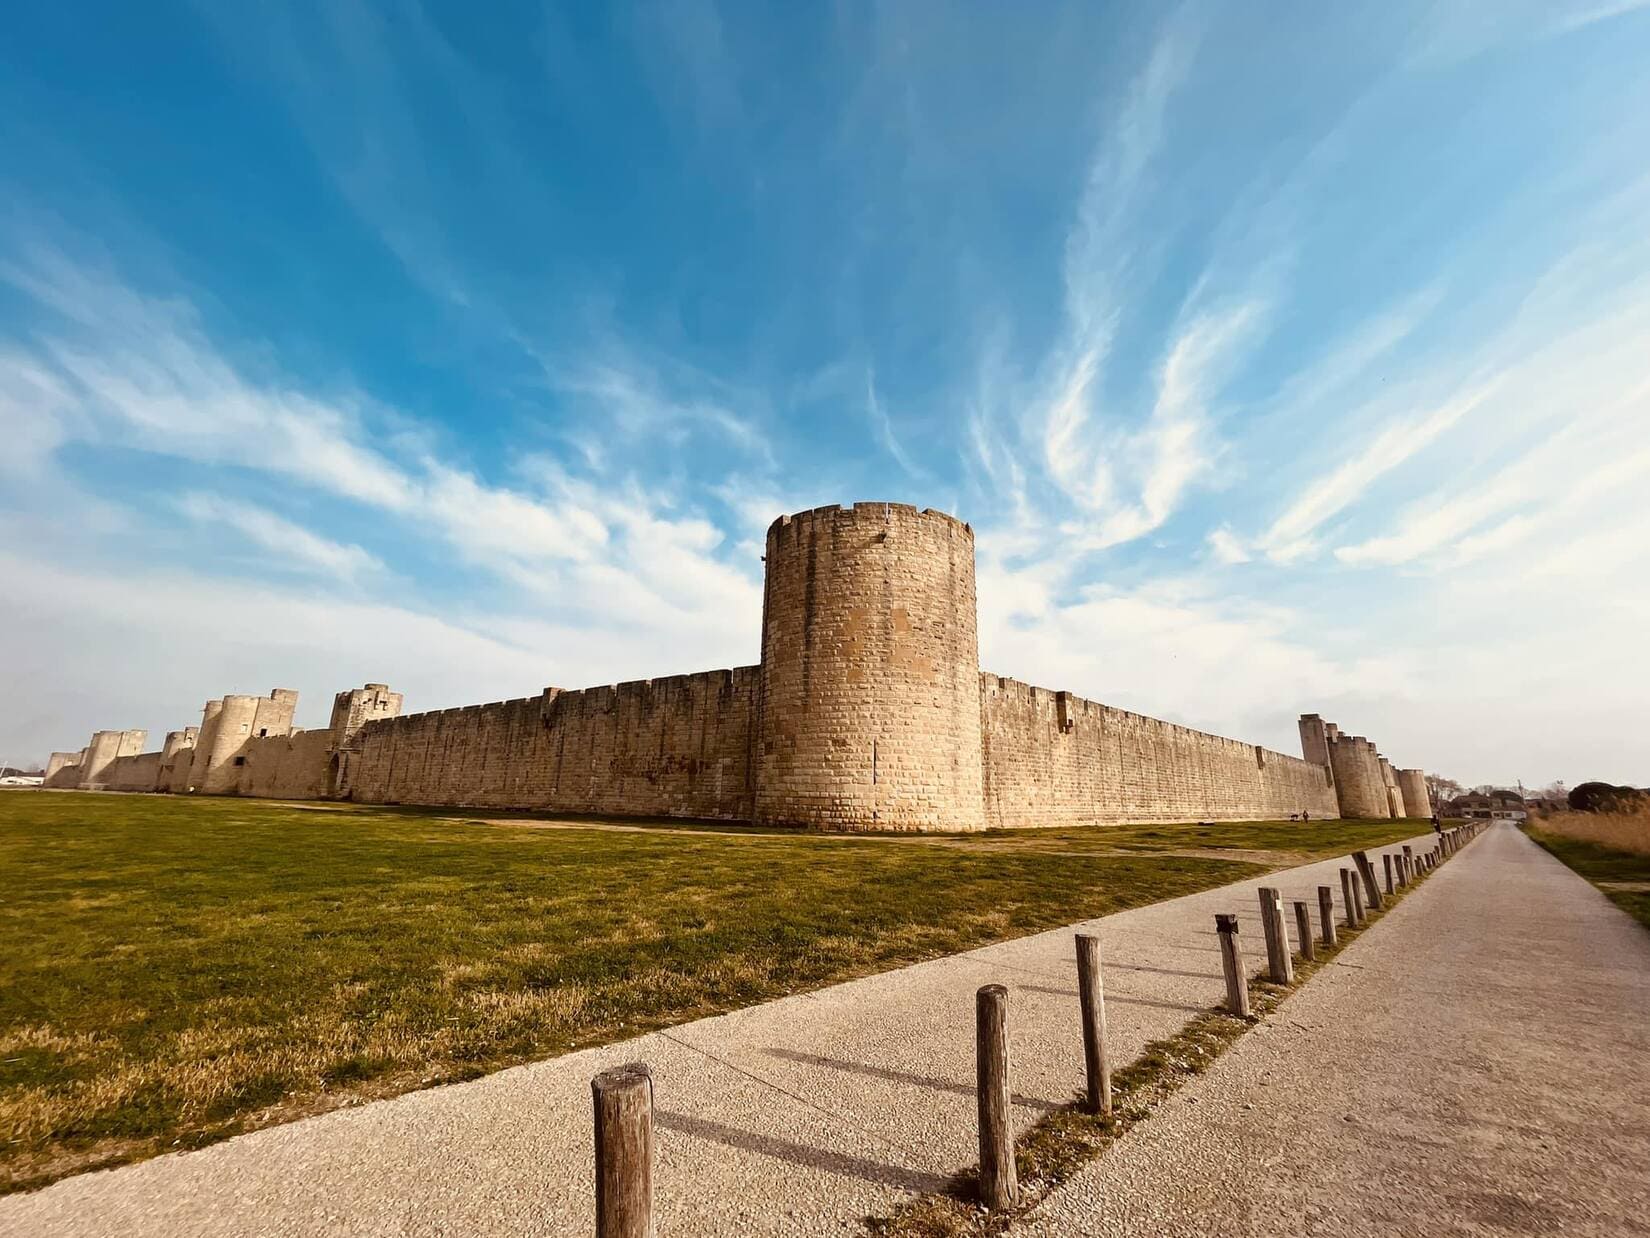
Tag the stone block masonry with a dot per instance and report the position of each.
(678, 747)
(1413, 784)
(1052, 758)
(870, 706)
(867, 711)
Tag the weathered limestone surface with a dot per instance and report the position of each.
(1413, 784)
(106, 748)
(227, 729)
(288, 767)
(63, 769)
(137, 772)
(177, 759)
(1358, 777)
(1052, 758)
(678, 746)
(870, 709)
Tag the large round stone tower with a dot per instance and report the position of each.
(1358, 781)
(1413, 783)
(870, 706)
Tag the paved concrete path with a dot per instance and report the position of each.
(801, 1116)
(1479, 1064)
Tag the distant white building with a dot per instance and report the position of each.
(1496, 806)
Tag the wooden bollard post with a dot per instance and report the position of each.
(1409, 862)
(1357, 901)
(624, 1151)
(1280, 968)
(1091, 995)
(1346, 897)
(1398, 866)
(1303, 930)
(1326, 914)
(1366, 870)
(999, 1188)
(1231, 962)
(1386, 864)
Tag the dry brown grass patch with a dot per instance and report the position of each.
(1618, 831)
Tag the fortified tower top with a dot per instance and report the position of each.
(870, 671)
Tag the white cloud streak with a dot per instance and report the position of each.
(281, 537)
(125, 370)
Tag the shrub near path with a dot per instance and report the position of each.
(179, 970)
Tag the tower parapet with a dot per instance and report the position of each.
(1314, 739)
(178, 741)
(870, 703)
(353, 708)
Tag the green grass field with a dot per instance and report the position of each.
(178, 970)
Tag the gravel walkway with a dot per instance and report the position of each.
(802, 1116)
(1479, 1064)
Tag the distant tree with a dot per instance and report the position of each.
(1604, 797)
(1441, 788)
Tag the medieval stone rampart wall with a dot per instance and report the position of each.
(868, 711)
(287, 767)
(106, 748)
(138, 772)
(63, 769)
(678, 746)
(1051, 758)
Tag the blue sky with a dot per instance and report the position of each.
(1283, 359)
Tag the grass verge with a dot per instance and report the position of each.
(1623, 876)
(1061, 1143)
(177, 971)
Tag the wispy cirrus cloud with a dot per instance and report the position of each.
(125, 370)
(283, 539)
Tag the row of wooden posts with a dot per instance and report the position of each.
(624, 1096)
